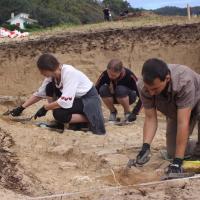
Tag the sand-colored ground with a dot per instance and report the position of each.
(41, 163)
(52, 163)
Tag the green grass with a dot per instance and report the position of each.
(154, 20)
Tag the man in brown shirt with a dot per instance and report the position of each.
(174, 90)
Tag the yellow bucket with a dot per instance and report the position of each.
(191, 166)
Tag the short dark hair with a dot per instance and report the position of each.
(154, 68)
(115, 65)
(47, 62)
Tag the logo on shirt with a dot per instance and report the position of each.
(66, 98)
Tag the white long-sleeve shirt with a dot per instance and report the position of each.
(73, 84)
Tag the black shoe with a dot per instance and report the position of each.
(57, 126)
(79, 127)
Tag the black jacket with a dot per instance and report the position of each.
(127, 78)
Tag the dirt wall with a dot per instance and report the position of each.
(91, 51)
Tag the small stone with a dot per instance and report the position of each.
(106, 152)
(116, 159)
(67, 165)
(61, 150)
(77, 180)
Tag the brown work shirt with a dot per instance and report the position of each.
(183, 91)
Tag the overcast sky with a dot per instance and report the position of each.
(152, 4)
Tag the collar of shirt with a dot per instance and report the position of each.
(122, 75)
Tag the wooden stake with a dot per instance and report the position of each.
(188, 12)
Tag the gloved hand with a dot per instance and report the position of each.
(132, 117)
(17, 111)
(144, 155)
(40, 113)
(175, 166)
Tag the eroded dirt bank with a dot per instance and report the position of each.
(90, 52)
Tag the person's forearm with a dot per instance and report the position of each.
(181, 140)
(149, 130)
(52, 106)
(33, 99)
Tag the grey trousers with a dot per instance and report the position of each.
(193, 146)
(120, 92)
(171, 138)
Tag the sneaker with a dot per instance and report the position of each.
(132, 117)
(57, 126)
(113, 117)
(126, 117)
(79, 127)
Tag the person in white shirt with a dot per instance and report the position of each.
(70, 94)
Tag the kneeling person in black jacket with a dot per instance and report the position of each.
(117, 85)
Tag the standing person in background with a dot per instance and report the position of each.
(107, 14)
(70, 94)
(117, 85)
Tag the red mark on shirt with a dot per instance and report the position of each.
(66, 98)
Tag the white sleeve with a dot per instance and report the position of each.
(41, 92)
(70, 84)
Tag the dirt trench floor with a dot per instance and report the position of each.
(39, 162)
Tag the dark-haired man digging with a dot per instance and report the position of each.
(71, 96)
(174, 90)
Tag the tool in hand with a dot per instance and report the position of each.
(26, 119)
(131, 163)
(6, 113)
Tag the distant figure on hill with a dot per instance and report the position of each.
(107, 14)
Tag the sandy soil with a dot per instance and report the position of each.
(41, 163)
(52, 163)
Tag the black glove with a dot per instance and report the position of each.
(175, 166)
(144, 155)
(40, 113)
(17, 111)
(132, 117)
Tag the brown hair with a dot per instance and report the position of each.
(47, 62)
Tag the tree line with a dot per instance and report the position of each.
(54, 12)
(171, 10)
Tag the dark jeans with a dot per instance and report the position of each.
(120, 92)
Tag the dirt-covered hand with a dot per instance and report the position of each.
(144, 155)
(17, 111)
(40, 113)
